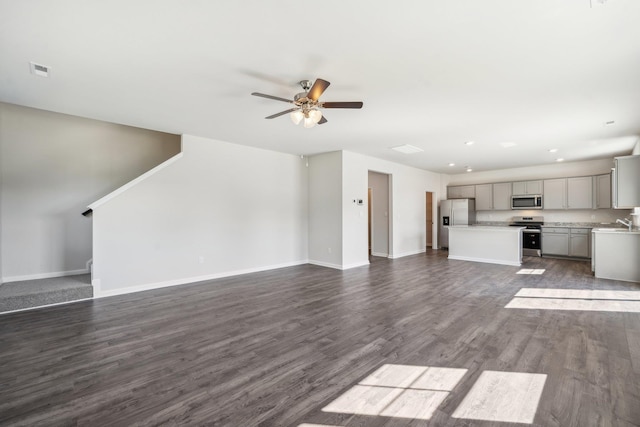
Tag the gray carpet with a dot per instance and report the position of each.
(34, 293)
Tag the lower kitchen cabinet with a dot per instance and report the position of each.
(565, 241)
(555, 241)
(579, 242)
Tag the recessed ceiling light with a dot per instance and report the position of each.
(553, 150)
(560, 160)
(407, 149)
(469, 143)
(452, 164)
(469, 169)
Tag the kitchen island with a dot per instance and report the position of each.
(486, 243)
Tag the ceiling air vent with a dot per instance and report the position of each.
(39, 69)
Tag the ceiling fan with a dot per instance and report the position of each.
(306, 104)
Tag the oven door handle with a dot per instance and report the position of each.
(531, 231)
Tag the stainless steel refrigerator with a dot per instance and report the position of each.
(455, 212)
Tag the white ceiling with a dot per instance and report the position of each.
(539, 74)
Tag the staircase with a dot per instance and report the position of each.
(35, 293)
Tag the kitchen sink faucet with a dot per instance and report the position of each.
(626, 222)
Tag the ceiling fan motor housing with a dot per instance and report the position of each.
(301, 99)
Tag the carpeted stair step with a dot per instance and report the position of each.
(35, 293)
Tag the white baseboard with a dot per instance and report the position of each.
(325, 264)
(380, 254)
(403, 254)
(359, 264)
(485, 260)
(44, 275)
(44, 306)
(337, 266)
(99, 293)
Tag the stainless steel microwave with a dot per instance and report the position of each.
(529, 201)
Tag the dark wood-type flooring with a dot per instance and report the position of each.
(273, 348)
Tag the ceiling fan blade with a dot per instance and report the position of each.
(323, 120)
(341, 104)
(277, 98)
(316, 90)
(281, 113)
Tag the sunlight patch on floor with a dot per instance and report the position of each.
(316, 425)
(503, 396)
(400, 391)
(531, 271)
(576, 300)
(578, 294)
(574, 304)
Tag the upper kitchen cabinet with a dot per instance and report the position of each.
(602, 184)
(484, 197)
(501, 196)
(527, 187)
(461, 192)
(580, 192)
(626, 182)
(493, 197)
(568, 193)
(555, 194)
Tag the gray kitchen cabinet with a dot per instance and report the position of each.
(615, 255)
(580, 192)
(484, 197)
(602, 185)
(461, 192)
(555, 194)
(502, 196)
(579, 242)
(526, 187)
(626, 182)
(555, 241)
(566, 241)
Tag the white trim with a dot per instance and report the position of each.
(485, 260)
(99, 293)
(421, 251)
(337, 266)
(44, 306)
(135, 182)
(44, 275)
(325, 264)
(379, 254)
(360, 264)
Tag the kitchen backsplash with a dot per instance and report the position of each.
(569, 216)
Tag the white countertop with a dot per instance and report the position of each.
(487, 227)
(615, 231)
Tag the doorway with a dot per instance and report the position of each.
(429, 218)
(379, 208)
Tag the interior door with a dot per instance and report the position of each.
(369, 219)
(429, 219)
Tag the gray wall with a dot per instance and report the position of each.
(325, 209)
(51, 167)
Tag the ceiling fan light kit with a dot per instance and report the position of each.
(307, 105)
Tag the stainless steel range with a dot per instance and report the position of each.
(531, 235)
